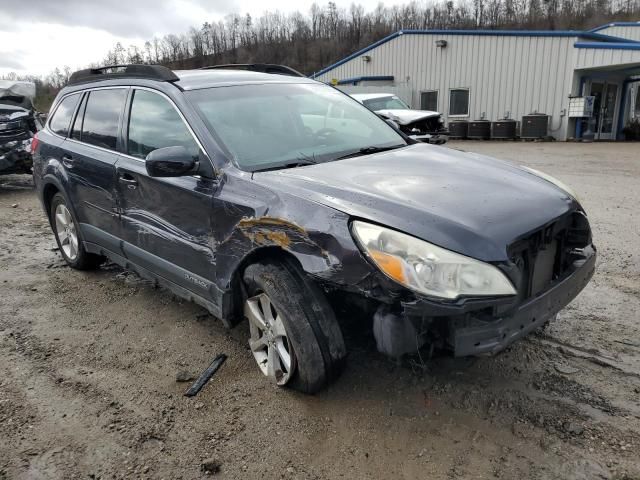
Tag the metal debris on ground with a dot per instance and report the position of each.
(206, 375)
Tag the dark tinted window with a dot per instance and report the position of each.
(429, 101)
(77, 123)
(154, 123)
(459, 102)
(100, 126)
(62, 116)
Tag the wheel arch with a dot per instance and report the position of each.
(49, 189)
(237, 292)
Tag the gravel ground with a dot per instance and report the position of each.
(88, 365)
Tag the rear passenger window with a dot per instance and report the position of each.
(62, 116)
(154, 123)
(102, 113)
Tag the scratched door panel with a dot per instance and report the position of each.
(170, 219)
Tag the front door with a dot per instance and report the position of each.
(604, 109)
(166, 222)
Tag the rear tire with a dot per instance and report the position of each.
(66, 229)
(312, 335)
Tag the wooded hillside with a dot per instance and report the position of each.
(329, 33)
(309, 42)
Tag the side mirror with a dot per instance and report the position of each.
(169, 162)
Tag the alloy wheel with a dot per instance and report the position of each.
(66, 232)
(269, 342)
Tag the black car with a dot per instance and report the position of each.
(18, 124)
(280, 200)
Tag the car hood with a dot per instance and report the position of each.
(12, 112)
(468, 203)
(405, 117)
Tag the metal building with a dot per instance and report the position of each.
(583, 81)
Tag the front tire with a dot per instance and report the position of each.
(295, 337)
(67, 232)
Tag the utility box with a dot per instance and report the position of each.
(504, 129)
(479, 129)
(458, 129)
(535, 125)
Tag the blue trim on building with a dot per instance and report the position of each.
(497, 33)
(358, 53)
(372, 78)
(615, 24)
(579, 120)
(608, 46)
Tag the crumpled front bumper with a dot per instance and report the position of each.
(468, 327)
(437, 138)
(15, 154)
(494, 336)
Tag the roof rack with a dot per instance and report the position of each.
(152, 72)
(258, 67)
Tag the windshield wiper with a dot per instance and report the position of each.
(297, 163)
(369, 151)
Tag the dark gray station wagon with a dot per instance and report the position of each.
(278, 199)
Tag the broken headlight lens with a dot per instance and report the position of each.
(554, 180)
(427, 268)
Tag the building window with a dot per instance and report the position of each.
(429, 100)
(459, 102)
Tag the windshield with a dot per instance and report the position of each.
(279, 125)
(385, 103)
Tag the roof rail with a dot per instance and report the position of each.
(152, 72)
(258, 67)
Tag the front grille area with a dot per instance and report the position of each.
(14, 127)
(548, 254)
(428, 125)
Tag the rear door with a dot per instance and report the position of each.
(90, 157)
(53, 137)
(166, 222)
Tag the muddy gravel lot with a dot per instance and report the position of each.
(88, 366)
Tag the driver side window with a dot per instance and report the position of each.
(154, 123)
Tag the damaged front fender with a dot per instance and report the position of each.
(319, 239)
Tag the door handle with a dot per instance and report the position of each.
(128, 180)
(67, 161)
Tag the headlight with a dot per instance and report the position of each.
(427, 268)
(554, 180)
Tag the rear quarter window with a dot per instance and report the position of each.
(61, 119)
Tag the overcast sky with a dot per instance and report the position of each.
(37, 36)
